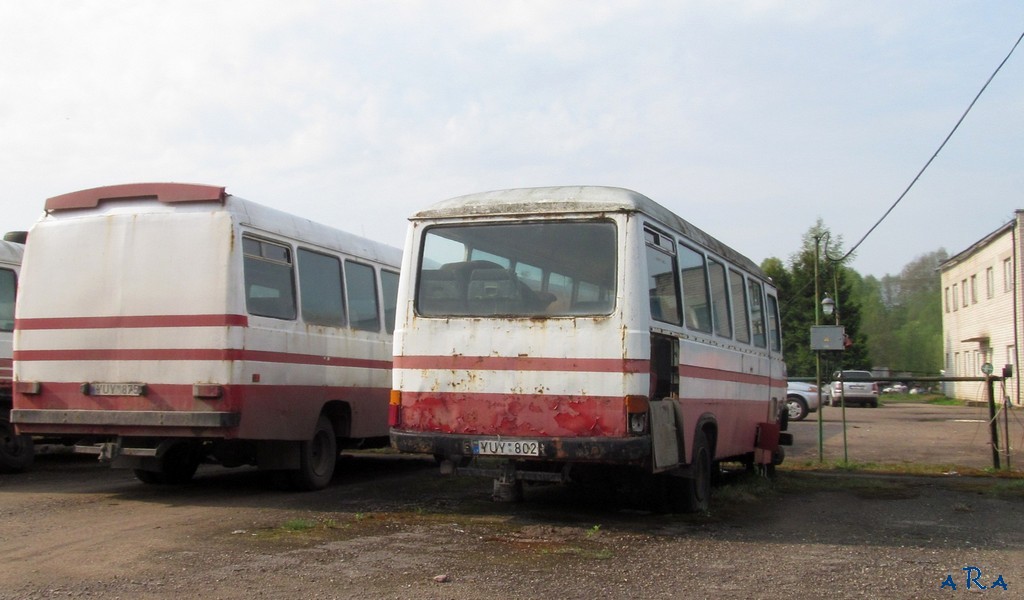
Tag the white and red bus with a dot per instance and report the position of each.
(16, 451)
(175, 324)
(544, 331)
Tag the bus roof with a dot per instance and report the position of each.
(164, 192)
(190, 197)
(10, 253)
(579, 199)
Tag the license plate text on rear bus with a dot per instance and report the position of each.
(506, 447)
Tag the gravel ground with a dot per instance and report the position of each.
(390, 527)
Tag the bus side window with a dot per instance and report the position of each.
(695, 290)
(739, 307)
(720, 299)
(320, 289)
(389, 287)
(774, 331)
(8, 288)
(361, 288)
(757, 313)
(662, 288)
(269, 282)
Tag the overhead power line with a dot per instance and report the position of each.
(941, 146)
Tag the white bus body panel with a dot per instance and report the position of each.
(140, 291)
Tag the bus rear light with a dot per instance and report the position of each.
(207, 390)
(395, 409)
(637, 408)
(29, 388)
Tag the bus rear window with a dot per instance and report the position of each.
(522, 269)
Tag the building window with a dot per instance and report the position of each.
(963, 292)
(955, 302)
(1007, 275)
(990, 283)
(974, 289)
(947, 298)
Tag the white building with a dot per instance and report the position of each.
(981, 312)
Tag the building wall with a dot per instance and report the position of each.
(981, 287)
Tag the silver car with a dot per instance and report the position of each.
(802, 399)
(856, 387)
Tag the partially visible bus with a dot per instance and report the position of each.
(16, 451)
(543, 332)
(176, 324)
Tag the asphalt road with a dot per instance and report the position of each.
(901, 433)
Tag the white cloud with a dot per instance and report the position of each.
(751, 118)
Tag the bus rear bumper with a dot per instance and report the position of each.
(624, 451)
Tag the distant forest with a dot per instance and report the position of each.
(894, 322)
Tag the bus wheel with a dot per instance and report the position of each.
(693, 494)
(16, 451)
(180, 463)
(150, 477)
(317, 458)
(177, 466)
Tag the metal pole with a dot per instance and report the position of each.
(817, 353)
(835, 282)
(993, 426)
(1006, 423)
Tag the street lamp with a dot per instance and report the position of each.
(828, 305)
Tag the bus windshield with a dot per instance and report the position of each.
(525, 269)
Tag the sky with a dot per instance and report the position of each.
(750, 119)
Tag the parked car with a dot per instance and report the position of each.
(802, 398)
(896, 388)
(856, 387)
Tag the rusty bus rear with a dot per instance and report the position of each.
(546, 329)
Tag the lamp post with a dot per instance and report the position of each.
(827, 306)
(817, 353)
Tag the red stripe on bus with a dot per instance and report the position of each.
(510, 414)
(712, 374)
(205, 354)
(523, 363)
(135, 321)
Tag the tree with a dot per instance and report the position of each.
(903, 316)
(798, 303)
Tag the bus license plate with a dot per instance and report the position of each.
(506, 447)
(117, 389)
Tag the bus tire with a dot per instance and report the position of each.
(150, 477)
(317, 458)
(177, 466)
(16, 451)
(693, 494)
(179, 463)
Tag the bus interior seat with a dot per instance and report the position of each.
(493, 290)
(440, 291)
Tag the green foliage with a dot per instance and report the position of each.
(800, 303)
(895, 322)
(904, 321)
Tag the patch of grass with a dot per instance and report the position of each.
(934, 399)
(589, 553)
(299, 528)
(299, 525)
(904, 468)
(867, 488)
